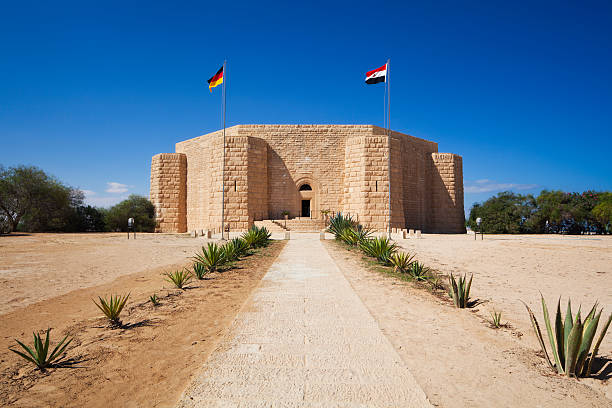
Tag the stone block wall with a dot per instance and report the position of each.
(169, 191)
(345, 165)
(447, 194)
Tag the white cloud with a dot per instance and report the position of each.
(104, 201)
(487, 186)
(113, 187)
(89, 193)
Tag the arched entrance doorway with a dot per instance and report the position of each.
(306, 200)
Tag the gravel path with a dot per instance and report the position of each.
(304, 339)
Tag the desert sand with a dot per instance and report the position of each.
(455, 357)
(150, 361)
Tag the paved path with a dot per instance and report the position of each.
(304, 339)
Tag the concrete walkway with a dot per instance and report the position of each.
(304, 339)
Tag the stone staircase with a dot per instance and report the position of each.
(294, 224)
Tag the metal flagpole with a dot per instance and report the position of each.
(388, 83)
(223, 171)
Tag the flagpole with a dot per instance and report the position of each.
(223, 171)
(388, 83)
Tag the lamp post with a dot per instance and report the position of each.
(479, 229)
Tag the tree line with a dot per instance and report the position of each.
(33, 201)
(550, 212)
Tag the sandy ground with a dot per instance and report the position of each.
(150, 361)
(508, 269)
(42, 266)
(454, 355)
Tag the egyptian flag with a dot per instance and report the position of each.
(216, 79)
(377, 75)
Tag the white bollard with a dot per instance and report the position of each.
(322, 236)
(418, 234)
(287, 235)
(411, 233)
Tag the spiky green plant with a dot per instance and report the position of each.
(241, 246)
(339, 223)
(154, 299)
(180, 278)
(211, 257)
(349, 236)
(263, 237)
(496, 319)
(39, 355)
(199, 270)
(379, 248)
(419, 271)
(363, 233)
(571, 340)
(401, 261)
(112, 307)
(251, 237)
(459, 290)
(230, 252)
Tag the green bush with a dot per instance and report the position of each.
(256, 237)
(211, 257)
(112, 307)
(401, 261)
(180, 278)
(380, 248)
(339, 223)
(571, 340)
(39, 355)
(419, 272)
(459, 291)
(137, 207)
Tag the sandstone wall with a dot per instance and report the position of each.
(447, 194)
(345, 165)
(168, 191)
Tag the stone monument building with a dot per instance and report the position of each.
(307, 170)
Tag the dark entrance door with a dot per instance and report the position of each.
(305, 208)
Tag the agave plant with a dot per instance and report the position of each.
(199, 270)
(251, 237)
(40, 354)
(180, 278)
(459, 291)
(349, 236)
(419, 271)
(496, 319)
(401, 261)
(339, 223)
(363, 233)
(112, 307)
(571, 340)
(212, 257)
(154, 299)
(379, 248)
(240, 245)
(263, 236)
(229, 251)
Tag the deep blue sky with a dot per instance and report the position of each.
(89, 91)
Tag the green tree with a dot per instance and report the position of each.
(603, 211)
(137, 207)
(31, 200)
(505, 213)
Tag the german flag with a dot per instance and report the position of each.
(216, 79)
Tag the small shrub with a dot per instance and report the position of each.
(229, 251)
(401, 261)
(180, 278)
(349, 236)
(112, 307)
(379, 248)
(212, 257)
(339, 223)
(154, 299)
(40, 356)
(256, 237)
(496, 319)
(459, 291)
(571, 340)
(241, 246)
(199, 270)
(419, 271)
